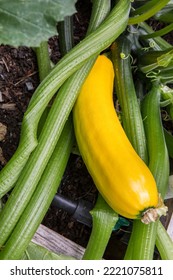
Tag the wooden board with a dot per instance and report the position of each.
(57, 243)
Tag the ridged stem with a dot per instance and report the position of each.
(65, 31)
(147, 11)
(125, 91)
(159, 33)
(164, 243)
(43, 60)
(143, 237)
(41, 199)
(104, 220)
(44, 67)
(160, 43)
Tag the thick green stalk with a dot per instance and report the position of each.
(146, 7)
(159, 33)
(131, 115)
(159, 42)
(142, 241)
(104, 220)
(44, 67)
(143, 237)
(164, 243)
(65, 31)
(92, 45)
(125, 90)
(158, 154)
(148, 10)
(43, 60)
(169, 142)
(41, 199)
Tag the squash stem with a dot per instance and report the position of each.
(41, 199)
(164, 243)
(160, 43)
(66, 39)
(43, 60)
(159, 33)
(125, 90)
(142, 241)
(147, 11)
(44, 67)
(143, 237)
(104, 220)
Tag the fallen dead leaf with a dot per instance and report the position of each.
(3, 131)
(2, 159)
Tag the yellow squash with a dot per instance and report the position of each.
(118, 172)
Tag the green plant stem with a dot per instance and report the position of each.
(148, 10)
(104, 220)
(158, 154)
(132, 119)
(159, 33)
(169, 142)
(139, 246)
(92, 45)
(44, 67)
(164, 243)
(159, 42)
(65, 31)
(166, 14)
(125, 90)
(41, 199)
(142, 241)
(146, 7)
(43, 60)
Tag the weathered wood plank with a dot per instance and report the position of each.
(57, 243)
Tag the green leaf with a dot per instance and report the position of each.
(37, 252)
(29, 23)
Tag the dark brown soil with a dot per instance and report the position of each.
(18, 80)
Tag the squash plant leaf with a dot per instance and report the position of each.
(28, 23)
(37, 252)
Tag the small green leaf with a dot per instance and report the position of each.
(37, 252)
(31, 22)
